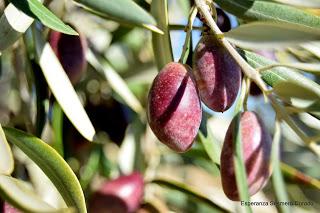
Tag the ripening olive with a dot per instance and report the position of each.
(121, 195)
(217, 74)
(174, 108)
(256, 145)
(70, 51)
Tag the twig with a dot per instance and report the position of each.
(188, 29)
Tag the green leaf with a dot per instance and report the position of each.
(189, 191)
(280, 74)
(210, 145)
(301, 3)
(57, 126)
(17, 193)
(277, 177)
(13, 24)
(291, 90)
(269, 35)
(161, 43)
(122, 11)
(6, 162)
(307, 67)
(268, 11)
(52, 164)
(62, 88)
(91, 167)
(36, 10)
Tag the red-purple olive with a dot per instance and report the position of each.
(121, 195)
(70, 51)
(174, 108)
(223, 20)
(217, 74)
(256, 145)
(5, 207)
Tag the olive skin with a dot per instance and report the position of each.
(217, 74)
(256, 154)
(223, 20)
(122, 195)
(70, 51)
(174, 107)
(7, 208)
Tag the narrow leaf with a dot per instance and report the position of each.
(269, 35)
(189, 191)
(280, 74)
(161, 43)
(291, 90)
(52, 164)
(64, 92)
(19, 195)
(269, 11)
(122, 11)
(36, 10)
(210, 145)
(277, 178)
(307, 67)
(13, 24)
(57, 126)
(115, 81)
(6, 162)
(301, 3)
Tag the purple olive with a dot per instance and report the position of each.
(223, 20)
(5, 207)
(174, 108)
(256, 147)
(70, 51)
(121, 195)
(217, 74)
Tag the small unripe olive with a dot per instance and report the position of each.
(121, 195)
(70, 51)
(256, 145)
(217, 74)
(174, 108)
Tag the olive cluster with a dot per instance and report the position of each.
(174, 111)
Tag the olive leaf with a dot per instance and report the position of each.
(7, 161)
(13, 23)
(161, 43)
(34, 9)
(52, 164)
(267, 35)
(279, 74)
(17, 193)
(122, 11)
(62, 88)
(189, 191)
(269, 11)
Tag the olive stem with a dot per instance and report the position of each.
(254, 75)
(246, 68)
(183, 27)
(188, 29)
(283, 114)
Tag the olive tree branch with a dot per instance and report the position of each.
(254, 75)
(246, 68)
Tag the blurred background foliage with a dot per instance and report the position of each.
(127, 142)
